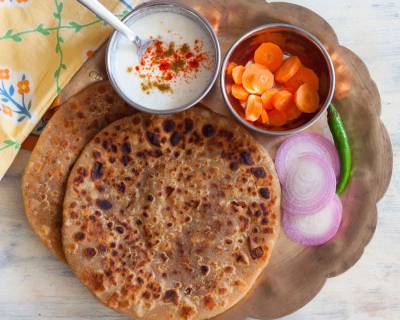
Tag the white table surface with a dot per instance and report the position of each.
(32, 280)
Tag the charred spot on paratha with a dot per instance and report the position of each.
(176, 137)
(82, 173)
(189, 125)
(264, 192)
(169, 190)
(258, 172)
(97, 170)
(171, 296)
(204, 270)
(79, 236)
(153, 138)
(257, 253)
(126, 147)
(195, 138)
(89, 252)
(234, 165)
(169, 125)
(208, 130)
(96, 154)
(103, 204)
(246, 158)
(125, 159)
(121, 187)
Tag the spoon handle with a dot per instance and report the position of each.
(102, 12)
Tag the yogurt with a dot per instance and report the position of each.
(175, 71)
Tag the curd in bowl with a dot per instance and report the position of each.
(178, 69)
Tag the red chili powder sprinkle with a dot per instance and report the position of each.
(168, 76)
(165, 63)
(194, 64)
(164, 66)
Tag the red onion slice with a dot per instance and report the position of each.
(295, 146)
(309, 185)
(315, 229)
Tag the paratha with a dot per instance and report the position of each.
(171, 217)
(68, 131)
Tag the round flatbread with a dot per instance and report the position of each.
(59, 145)
(171, 217)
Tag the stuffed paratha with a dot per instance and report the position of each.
(68, 131)
(171, 217)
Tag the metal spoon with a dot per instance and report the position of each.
(102, 12)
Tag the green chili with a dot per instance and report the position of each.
(343, 147)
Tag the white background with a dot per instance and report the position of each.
(370, 290)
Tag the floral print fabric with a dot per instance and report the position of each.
(41, 47)
(15, 95)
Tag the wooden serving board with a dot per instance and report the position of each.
(296, 274)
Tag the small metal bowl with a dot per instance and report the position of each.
(293, 41)
(164, 6)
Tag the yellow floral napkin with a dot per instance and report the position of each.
(42, 45)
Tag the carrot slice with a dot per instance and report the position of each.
(277, 118)
(307, 98)
(264, 117)
(230, 67)
(253, 108)
(269, 55)
(282, 100)
(257, 79)
(292, 112)
(237, 74)
(288, 69)
(266, 98)
(239, 93)
(304, 75)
